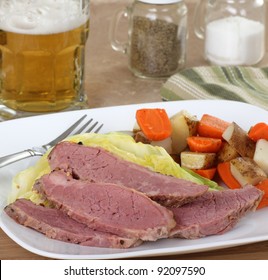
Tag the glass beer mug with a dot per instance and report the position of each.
(42, 46)
(233, 30)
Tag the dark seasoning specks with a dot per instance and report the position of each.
(156, 47)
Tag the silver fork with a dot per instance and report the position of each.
(39, 151)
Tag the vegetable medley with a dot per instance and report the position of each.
(210, 147)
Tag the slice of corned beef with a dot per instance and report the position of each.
(107, 207)
(57, 225)
(215, 212)
(99, 165)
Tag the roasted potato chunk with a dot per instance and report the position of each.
(239, 140)
(226, 153)
(261, 154)
(193, 160)
(246, 171)
(183, 125)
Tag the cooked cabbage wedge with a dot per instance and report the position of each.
(123, 145)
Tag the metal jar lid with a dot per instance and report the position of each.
(161, 2)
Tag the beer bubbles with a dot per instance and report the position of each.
(27, 21)
(41, 16)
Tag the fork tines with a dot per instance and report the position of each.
(85, 129)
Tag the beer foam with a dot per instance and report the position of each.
(42, 16)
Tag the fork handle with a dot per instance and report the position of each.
(6, 160)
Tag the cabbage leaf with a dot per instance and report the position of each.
(120, 144)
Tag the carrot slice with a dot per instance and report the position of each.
(207, 173)
(211, 126)
(225, 174)
(259, 131)
(154, 123)
(263, 185)
(204, 144)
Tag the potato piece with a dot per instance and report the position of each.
(192, 122)
(166, 144)
(261, 154)
(239, 140)
(140, 137)
(183, 125)
(194, 160)
(246, 171)
(136, 127)
(227, 153)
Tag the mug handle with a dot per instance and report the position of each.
(116, 44)
(199, 22)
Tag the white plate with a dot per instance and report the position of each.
(24, 133)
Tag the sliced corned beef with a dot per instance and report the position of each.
(57, 225)
(215, 212)
(107, 207)
(99, 165)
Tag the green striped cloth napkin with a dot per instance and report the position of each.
(245, 84)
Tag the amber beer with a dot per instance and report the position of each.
(42, 61)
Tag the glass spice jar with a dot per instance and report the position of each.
(157, 32)
(233, 30)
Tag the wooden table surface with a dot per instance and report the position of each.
(109, 83)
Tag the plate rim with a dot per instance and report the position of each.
(148, 253)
